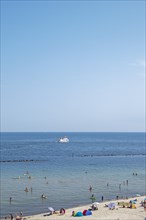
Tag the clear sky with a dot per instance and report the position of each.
(73, 65)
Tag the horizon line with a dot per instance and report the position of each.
(72, 131)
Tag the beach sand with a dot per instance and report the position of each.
(103, 213)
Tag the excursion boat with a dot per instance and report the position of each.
(63, 140)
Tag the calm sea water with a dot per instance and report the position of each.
(64, 171)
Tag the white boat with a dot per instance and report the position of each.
(63, 140)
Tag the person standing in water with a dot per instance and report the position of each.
(90, 188)
(10, 200)
(93, 198)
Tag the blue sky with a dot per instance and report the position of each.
(73, 65)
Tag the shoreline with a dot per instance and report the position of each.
(103, 213)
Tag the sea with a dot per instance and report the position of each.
(112, 163)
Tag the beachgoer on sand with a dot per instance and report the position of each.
(62, 211)
(144, 205)
(11, 217)
(93, 207)
(73, 213)
(21, 214)
(18, 217)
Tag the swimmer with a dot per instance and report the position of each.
(90, 188)
(26, 189)
(43, 196)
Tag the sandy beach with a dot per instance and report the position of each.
(103, 212)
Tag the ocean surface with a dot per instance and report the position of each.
(112, 163)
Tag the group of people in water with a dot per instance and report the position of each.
(102, 198)
(62, 210)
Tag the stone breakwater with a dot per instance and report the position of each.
(15, 161)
